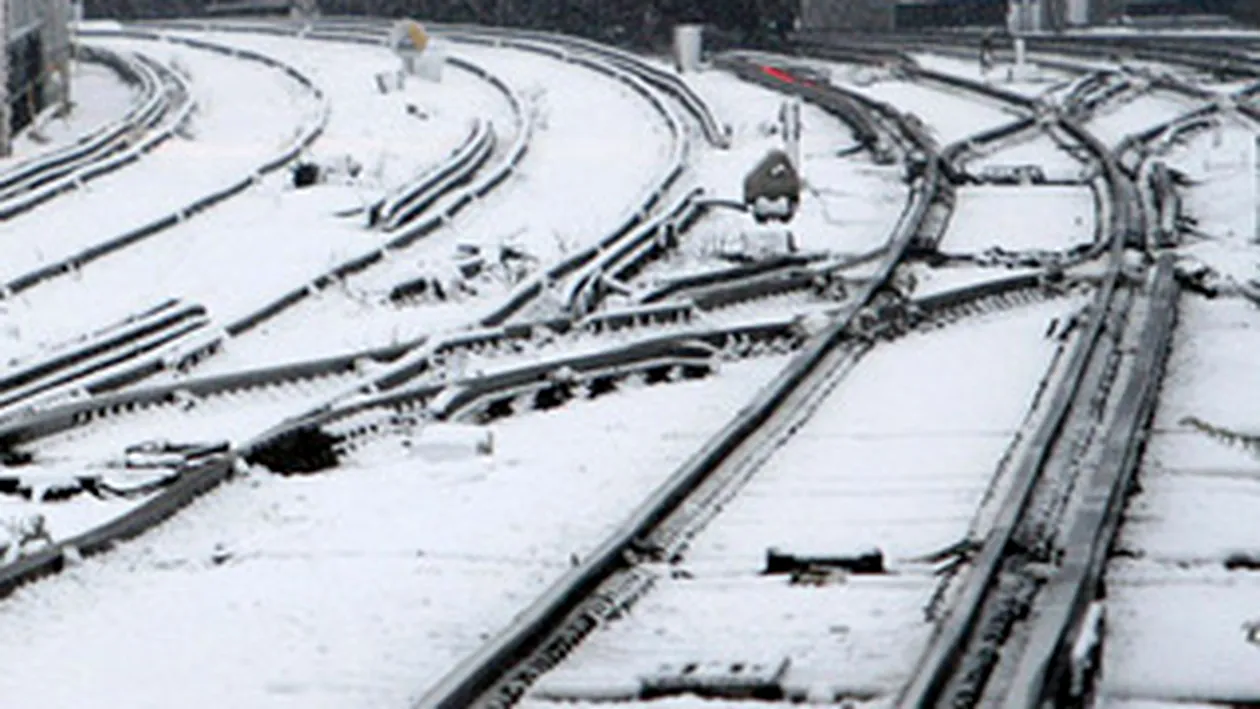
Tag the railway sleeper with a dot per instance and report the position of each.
(732, 681)
(860, 561)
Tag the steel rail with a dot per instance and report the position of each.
(198, 481)
(490, 666)
(308, 134)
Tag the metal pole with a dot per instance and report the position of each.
(5, 136)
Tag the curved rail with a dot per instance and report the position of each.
(500, 663)
(308, 135)
(419, 194)
(955, 666)
(370, 31)
(193, 482)
(152, 103)
(125, 150)
(715, 132)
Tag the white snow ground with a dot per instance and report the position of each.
(1221, 198)
(1040, 150)
(359, 587)
(1049, 218)
(899, 456)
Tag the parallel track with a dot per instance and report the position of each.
(1078, 458)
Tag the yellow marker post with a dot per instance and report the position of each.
(419, 38)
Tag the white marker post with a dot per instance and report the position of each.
(790, 125)
(688, 47)
(411, 43)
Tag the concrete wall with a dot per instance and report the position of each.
(35, 71)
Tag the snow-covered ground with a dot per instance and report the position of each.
(1180, 626)
(359, 587)
(1050, 218)
(99, 97)
(899, 456)
(1220, 167)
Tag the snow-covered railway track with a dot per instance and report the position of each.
(44, 263)
(659, 530)
(201, 479)
(62, 426)
(1178, 624)
(96, 362)
(70, 242)
(160, 94)
(432, 584)
(368, 408)
(553, 625)
(62, 423)
(390, 270)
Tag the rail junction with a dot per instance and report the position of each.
(487, 383)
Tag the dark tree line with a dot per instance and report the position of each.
(628, 21)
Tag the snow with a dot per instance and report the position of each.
(272, 238)
(593, 137)
(1182, 639)
(1221, 198)
(949, 114)
(231, 139)
(1038, 149)
(931, 281)
(1032, 83)
(359, 587)
(99, 97)
(1117, 120)
(898, 455)
(1050, 218)
(1177, 620)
